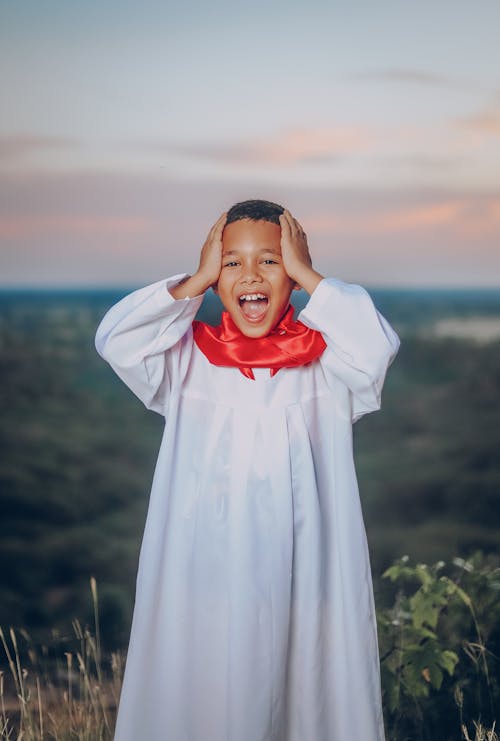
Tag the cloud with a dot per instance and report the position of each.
(484, 122)
(128, 229)
(458, 219)
(22, 146)
(417, 217)
(286, 148)
(481, 220)
(388, 154)
(414, 77)
(32, 225)
(426, 162)
(305, 145)
(386, 222)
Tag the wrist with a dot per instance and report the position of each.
(203, 280)
(193, 285)
(307, 278)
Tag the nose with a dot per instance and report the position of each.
(251, 273)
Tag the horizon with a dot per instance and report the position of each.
(119, 288)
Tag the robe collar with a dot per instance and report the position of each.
(288, 345)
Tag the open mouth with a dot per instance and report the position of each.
(254, 306)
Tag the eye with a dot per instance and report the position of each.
(230, 264)
(269, 261)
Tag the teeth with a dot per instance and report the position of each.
(251, 296)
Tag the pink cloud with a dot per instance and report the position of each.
(481, 220)
(300, 145)
(118, 229)
(22, 226)
(284, 148)
(486, 122)
(461, 218)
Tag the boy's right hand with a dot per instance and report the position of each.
(211, 253)
(210, 264)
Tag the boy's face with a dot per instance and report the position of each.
(253, 284)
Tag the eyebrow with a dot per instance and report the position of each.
(262, 251)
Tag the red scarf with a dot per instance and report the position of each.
(288, 345)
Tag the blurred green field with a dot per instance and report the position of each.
(78, 452)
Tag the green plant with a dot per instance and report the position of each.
(435, 661)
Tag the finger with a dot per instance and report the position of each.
(294, 224)
(299, 226)
(221, 222)
(285, 224)
(288, 216)
(212, 231)
(218, 226)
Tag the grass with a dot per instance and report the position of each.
(480, 733)
(57, 694)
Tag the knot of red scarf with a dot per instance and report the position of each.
(290, 344)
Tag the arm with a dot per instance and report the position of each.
(135, 334)
(361, 344)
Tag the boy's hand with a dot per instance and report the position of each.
(210, 264)
(295, 253)
(211, 252)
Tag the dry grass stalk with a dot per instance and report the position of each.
(481, 733)
(77, 700)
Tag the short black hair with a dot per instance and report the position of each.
(257, 210)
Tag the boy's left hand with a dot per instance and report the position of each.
(295, 253)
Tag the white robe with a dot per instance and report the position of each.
(254, 617)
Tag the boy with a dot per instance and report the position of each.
(254, 616)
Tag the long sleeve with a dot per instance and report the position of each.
(361, 344)
(136, 333)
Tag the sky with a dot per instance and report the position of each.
(127, 128)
